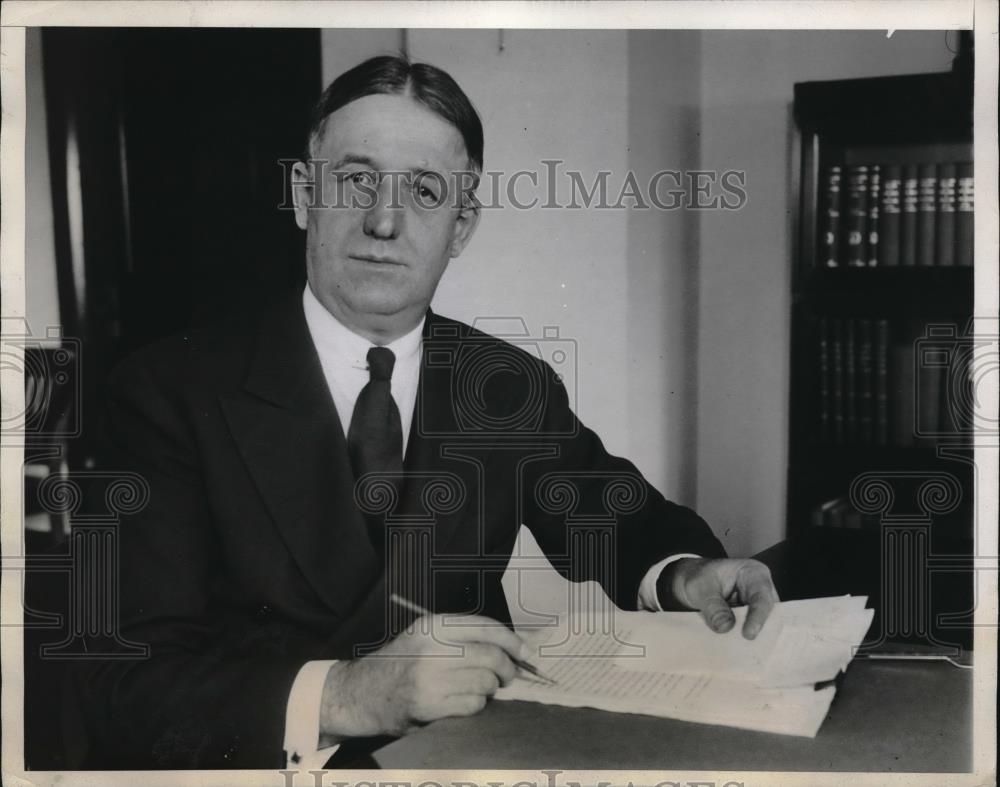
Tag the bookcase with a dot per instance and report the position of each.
(880, 458)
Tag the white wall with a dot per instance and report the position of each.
(689, 309)
(745, 257)
(618, 283)
(547, 98)
(662, 262)
(41, 305)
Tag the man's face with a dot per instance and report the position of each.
(375, 252)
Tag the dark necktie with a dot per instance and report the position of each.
(375, 437)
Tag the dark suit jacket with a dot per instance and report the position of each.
(252, 556)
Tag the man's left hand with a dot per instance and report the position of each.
(712, 586)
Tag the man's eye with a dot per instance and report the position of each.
(366, 177)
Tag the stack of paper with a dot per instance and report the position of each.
(671, 664)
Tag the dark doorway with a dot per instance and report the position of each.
(180, 135)
(166, 149)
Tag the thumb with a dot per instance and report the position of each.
(717, 614)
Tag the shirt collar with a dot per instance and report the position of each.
(334, 340)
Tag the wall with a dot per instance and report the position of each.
(662, 255)
(617, 283)
(41, 305)
(745, 257)
(543, 97)
(692, 307)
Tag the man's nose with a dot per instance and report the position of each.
(384, 219)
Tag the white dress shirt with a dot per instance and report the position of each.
(343, 356)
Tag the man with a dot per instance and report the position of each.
(348, 445)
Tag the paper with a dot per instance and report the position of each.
(672, 665)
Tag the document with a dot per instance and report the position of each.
(671, 664)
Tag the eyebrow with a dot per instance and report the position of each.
(367, 161)
(354, 158)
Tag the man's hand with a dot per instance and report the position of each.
(420, 676)
(711, 586)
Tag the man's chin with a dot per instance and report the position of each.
(385, 308)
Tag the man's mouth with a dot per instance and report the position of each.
(375, 259)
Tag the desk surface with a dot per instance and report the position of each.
(887, 716)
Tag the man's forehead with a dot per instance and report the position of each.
(392, 131)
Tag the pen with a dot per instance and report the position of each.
(519, 663)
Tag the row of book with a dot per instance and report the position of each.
(877, 391)
(839, 512)
(888, 215)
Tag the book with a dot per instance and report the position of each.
(672, 665)
(944, 253)
(930, 381)
(926, 213)
(829, 236)
(881, 363)
(837, 381)
(964, 211)
(850, 383)
(856, 219)
(901, 374)
(908, 220)
(888, 233)
(874, 191)
(865, 383)
(825, 430)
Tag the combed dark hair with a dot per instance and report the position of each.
(396, 75)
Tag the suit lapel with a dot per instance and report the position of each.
(288, 432)
(435, 428)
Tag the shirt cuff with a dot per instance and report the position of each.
(302, 718)
(648, 598)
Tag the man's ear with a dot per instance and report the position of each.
(303, 192)
(465, 226)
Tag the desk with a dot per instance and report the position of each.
(887, 716)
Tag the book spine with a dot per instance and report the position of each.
(964, 213)
(901, 371)
(874, 202)
(866, 383)
(837, 387)
(881, 364)
(850, 383)
(888, 236)
(908, 222)
(829, 236)
(926, 213)
(930, 381)
(856, 226)
(825, 431)
(944, 252)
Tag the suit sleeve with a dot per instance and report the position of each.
(213, 690)
(614, 509)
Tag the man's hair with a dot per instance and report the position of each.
(396, 75)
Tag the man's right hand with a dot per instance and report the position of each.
(426, 673)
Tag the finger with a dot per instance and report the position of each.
(761, 598)
(474, 680)
(717, 614)
(464, 704)
(492, 658)
(450, 705)
(478, 628)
